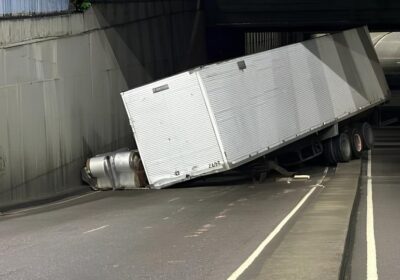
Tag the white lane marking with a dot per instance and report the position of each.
(50, 204)
(208, 226)
(239, 271)
(193, 235)
(176, 261)
(372, 270)
(369, 168)
(173, 199)
(95, 229)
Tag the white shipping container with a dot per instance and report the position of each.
(219, 116)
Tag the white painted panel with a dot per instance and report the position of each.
(173, 129)
(285, 93)
(281, 95)
(364, 68)
(338, 89)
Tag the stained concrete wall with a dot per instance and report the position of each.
(60, 79)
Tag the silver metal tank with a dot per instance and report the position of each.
(387, 47)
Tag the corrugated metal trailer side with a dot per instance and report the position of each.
(173, 129)
(285, 93)
(223, 115)
(32, 7)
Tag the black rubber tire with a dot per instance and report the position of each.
(329, 152)
(342, 147)
(367, 135)
(356, 142)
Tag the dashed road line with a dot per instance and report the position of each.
(96, 229)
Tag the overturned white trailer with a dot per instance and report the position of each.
(220, 116)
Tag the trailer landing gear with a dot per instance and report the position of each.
(260, 170)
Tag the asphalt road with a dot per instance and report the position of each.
(203, 232)
(385, 171)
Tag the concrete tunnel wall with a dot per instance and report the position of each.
(60, 79)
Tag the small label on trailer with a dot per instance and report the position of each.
(160, 88)
(242, 65)
(214, 164)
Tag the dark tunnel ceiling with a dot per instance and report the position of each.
(313, 15)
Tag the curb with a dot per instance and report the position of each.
(4, 208)
(318, 244)
(345, 268)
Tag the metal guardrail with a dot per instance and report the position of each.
(32, 7)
